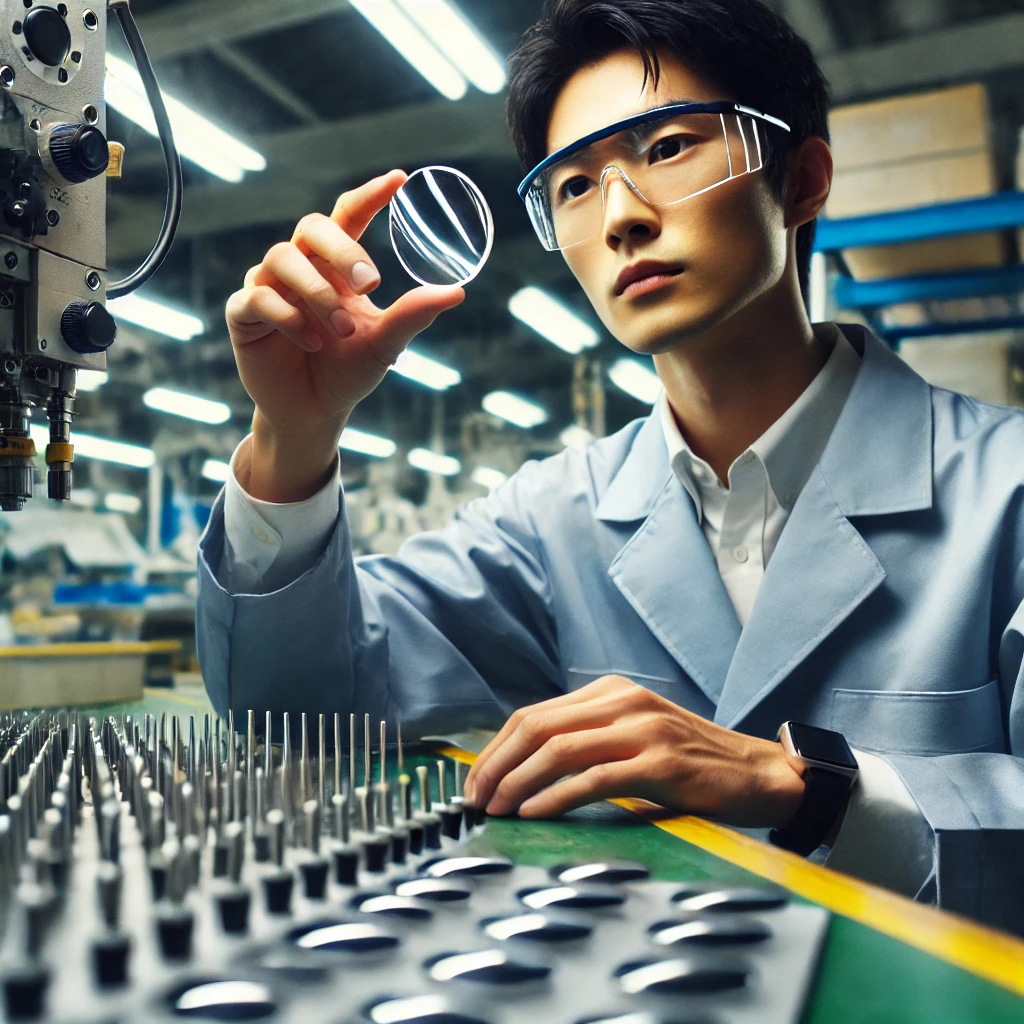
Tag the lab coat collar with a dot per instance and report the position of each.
(877, 461)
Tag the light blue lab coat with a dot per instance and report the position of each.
(891, 610)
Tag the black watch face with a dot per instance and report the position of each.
(822, 745)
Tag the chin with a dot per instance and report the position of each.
(656, 332)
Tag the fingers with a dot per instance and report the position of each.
(286, 265)
(356, 208)
(317, 235)
(600, 782)
(562, 754)
(599, 687)
(410, 314)
(541, 732)
(255, 312)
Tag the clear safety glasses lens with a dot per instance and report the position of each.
(663, 161)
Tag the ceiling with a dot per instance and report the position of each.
(329, 103)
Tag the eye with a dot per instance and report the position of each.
(573, 188)
(673, 145)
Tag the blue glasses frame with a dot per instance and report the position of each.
(715, 107)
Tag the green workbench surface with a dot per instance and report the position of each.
(865, 976)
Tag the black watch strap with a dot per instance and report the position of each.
(825, 794)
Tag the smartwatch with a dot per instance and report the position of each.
(829, 770)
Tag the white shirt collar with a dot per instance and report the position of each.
(791, 447)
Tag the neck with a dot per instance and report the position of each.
(729, 386)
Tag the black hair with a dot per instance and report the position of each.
(742, 46)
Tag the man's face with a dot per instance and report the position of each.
(730, 242)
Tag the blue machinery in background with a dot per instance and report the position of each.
(993, 213)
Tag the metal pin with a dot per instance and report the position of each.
(286, 767)
(304, 780)
(268, 749)
(442, 795)
(405, 796)
(234, 834)
(351, 754)
(193, 753)
(366, 750)
(341, 817)
(383, 747)
(321, 771)
(275, 822)
(424, 786)
(337, 754)
(250, 745)
(108, 892)
(401, 754)
(365, 808)
(311, 812)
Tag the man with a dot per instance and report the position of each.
(801, 531)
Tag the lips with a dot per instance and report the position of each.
(638, 271)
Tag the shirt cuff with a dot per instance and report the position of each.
(884, 838)
(270, 545)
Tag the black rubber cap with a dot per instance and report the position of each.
(79, 151)
(277, 892)
(110, 959)
(47, 36)
(399, 845)
(234, 910)
(376, 850)
(451, 822)
(87, 327)
(220, 860)
(432, 834)
(346, 866)
(25, 992)
(261, 844)
(174, 929)
(314, 878)
(415, 830)
(158, 878)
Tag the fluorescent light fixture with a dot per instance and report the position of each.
(191, 407)
(389, 20)
(514, 409)
(636, 379)
(426, 371)
(459, 41)
(99, 448)
(217, 471)
(487, 477)
(353, 440)
(432, 462)
(128, 503)
(552, 320)
(575, 436)
(84, 497)
(197, 139)
(90, 380)
(155, 316)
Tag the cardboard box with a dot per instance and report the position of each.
(912, 151)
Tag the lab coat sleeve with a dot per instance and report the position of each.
(455, 630)
(974, 802)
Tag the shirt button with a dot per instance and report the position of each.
(260, 534)
(740, 554)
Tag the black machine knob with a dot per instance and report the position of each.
(19, 215)
(87, 327)
(47, 35)
(78, 151)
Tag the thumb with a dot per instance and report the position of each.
(414, 312)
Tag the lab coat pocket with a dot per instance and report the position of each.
(667, 688)
(920, 722)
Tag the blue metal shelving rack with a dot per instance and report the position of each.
(993, 213)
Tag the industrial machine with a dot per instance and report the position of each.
(54, 160)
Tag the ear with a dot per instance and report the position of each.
(809, 182)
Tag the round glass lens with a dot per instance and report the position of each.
(441, 227)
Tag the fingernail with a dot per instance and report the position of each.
(342, 323)
(364, 276)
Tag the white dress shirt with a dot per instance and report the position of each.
(270, 545)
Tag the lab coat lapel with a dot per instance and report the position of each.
(878, 461)
(666, 569)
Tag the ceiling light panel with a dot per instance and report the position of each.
(100, 448)
(487, 477)
(552, 320)
(217, 471)
(426, 371)
(353, 440)
(191, 407)
(155, 316)
(433, 462)
(459, 41)
(514, 409)
(406, 37)
(196, 138)
(117, 502)
(575, 436)
(636, 379)
(90, 380)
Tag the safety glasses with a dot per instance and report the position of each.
(664, 156)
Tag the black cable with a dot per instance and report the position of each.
(172, 208)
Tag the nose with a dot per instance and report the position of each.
(626, 214)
